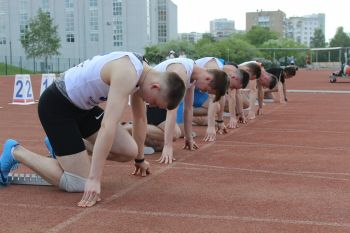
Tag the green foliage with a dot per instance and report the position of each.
(318, 40)
(153, 55)
(208, 36)
(281, 55)
(235, 49)
(205, 47)
(258, 35)
(41, 39)
(340, 39)
(158, 53)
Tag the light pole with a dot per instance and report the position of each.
(228, 54)
(10, 53)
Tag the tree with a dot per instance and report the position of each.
(258, 35)
(153, 55)
(208, 36)
(284, 49)
(318, 40)
(340, 39)
(41, 38)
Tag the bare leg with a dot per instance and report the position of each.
(47, 168)
(155, 135)
(124, 147)
(200, 120)
(51, 169)
(200, 111)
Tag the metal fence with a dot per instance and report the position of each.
(21, 65)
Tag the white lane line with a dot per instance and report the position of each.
(243, 143)
(194, 216)
(290, 130)
(77, 217)
(201, 166)
(80, 215)
(231, 217)
(319, 91)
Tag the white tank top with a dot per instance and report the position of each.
(84, 84)
(186, 62)
(202, 61)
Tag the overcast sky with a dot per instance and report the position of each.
(194, 15)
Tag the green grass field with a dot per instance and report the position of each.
(12, 70)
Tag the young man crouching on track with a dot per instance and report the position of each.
(69, 111)
(281, 90)
(256, 90)
(162, 129)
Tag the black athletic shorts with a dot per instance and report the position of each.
(155, 115)
(65, 124)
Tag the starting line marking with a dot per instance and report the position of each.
(319, 91)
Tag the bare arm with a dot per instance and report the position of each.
(221, 128)
(232, 105)
(169, 129)
(260, 98)
(212, 109)
(117, 100)
(188, 112)
(139, 125)
(284, 91)
(252, 98)
(239, 107)
(170, 122)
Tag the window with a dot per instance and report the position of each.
(45, 5)
(2, 41)
(68, 4)
(263, 19)
(118, 33)
(94, 37)
(70, 38)
(117, 7)
(93, 3)
(69, 21)
(162, 32)
(3, 7)
(23, 6)
(94, 19)
(2, 23)
(23, 23)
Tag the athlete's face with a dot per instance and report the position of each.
(153, 96)
(235, 83)
(203, 85)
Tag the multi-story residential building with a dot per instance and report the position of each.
(192, 36)
(90, 27)
(274, 20)
(163, 21)
(222, 27)
(301, 29)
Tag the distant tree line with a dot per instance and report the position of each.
(241, 47)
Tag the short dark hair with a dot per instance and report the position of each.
(175, 89)
(273, 81)
(244, 77)
(231, 63)
(290, 70)
(254, 67)
(220, 83)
